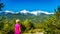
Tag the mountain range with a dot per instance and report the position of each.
(25, 12)
(35, 16)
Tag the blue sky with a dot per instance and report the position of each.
(31, 5)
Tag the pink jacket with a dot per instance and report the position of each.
(17, 29)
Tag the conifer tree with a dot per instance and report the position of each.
(1, 5)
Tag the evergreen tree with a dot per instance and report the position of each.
(1, 5)
(52, 25)
(5, 25)
(57, 13)
(27, 23)
(1, 23)
(11, 26)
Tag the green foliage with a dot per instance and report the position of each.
(48, 26)
(28, 25)
(52, 25)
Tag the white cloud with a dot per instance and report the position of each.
(7, 11)
(34, 12)
(48, 13)
(45, 12)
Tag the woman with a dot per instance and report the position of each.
(17, 27)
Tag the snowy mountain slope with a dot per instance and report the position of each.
(26, 12)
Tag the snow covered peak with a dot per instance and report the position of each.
(35, 12)
(38, 12)
(24, 11)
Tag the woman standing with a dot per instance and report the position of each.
(17, 27)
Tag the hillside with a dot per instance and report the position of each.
(23, 16)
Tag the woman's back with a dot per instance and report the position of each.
(17, 28)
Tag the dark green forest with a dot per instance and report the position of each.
(48, 24)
